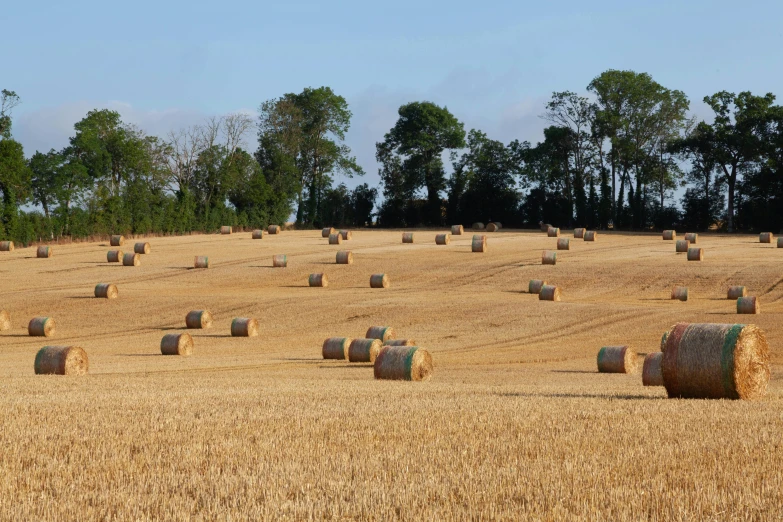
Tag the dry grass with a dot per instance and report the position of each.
(515, 424)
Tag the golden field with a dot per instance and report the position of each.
(516, 424)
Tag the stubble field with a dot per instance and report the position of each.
(515, 424)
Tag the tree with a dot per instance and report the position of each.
(8, 100)
(14, 183)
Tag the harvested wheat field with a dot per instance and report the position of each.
(515, 422)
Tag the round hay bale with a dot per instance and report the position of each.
(669, 235)
(106, 291)
(318, 280)
(344, 257)
(258, 234)
(680, 293)
(498, 224)
(176, 344)
(682, 246)
(535, 285)
(651, 369)
(280, 261)
(479, 243)
(61, 360)
(553, 232)
(765, 237)
(364, 350)
(5, 321)
(379, 281)
(273, 229)
(6, 246)
(478, 225)
(695, 254)
(443, 239)
(617, 359)
(780, 243)
(579, 233)
(748, 305)
(114, 256)
(735, 292)
(335, 239)
(141, 248)
(384, 333)
(407, 237)
(131, 259)
(117, 240)
(44, 251)
(347, 235)
(563, 243)
(326, 232)
(664, 337)
(41, 327)
(336, 348)
(549, 293)
(591, 235)
(244, 327)
(548, 257)
(692, 237)
(201, 262)
(198, 319)
(492, 227)
(716, 361)
(226, 230)
(457, 230)
(403, 363)
(544, 226)
(399, 342)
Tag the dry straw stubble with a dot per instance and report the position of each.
(131, 259)
(197, 319)
(379, 281)
(651, 369)
(201, 262)
(176, 344)
(364, 350)
(114, 256)
(617, 359)
(106, 291)
(383, 333)
(442, 239)
(244, 327)
(318, 280)
(403, 363)
(748, 305)
(41, 327)
(116, 240)
(336, 348)
(61, 360)
(344, 257)
(549, 293)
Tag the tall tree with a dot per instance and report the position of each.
(8, 100)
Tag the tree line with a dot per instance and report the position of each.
(626, 155)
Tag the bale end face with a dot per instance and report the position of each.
(61, 360)
(680, 293)
(563, 243)
(141, 248)
(403, 363)
(176, 344)
(748, 305)
(549, 293)
(379, 281)
(364, 350)
(457, 230)
(535, 285)
(197, 319)
(244, 327)
(548, 258)
(106, 291)
(384, 333)
(318, 280)
(442, 239)
(41, 327)
(617, 359)
(344, 257)
(651, 369)
(201, 262)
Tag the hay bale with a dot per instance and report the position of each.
(273, 229)
(478, 225)
(535, 285)
(695, 254)
(141, 248)
(379, 281)
(326, 232)
(669, 235)
(735, 292)
(41, 327)
(384, 333)
(106, 291)
(716, 361)
(748, 305)
(579, 233)
(479, 243)
(443, 239)
(548, 257)
(201, 262)
(364, 350)
(6, 246)
(498, 224)
(344, 257)
(651, 369)
(114, 256)
(407, 237)
(335, 239)
(117, 240)
(226, 230)
(692, 237)
(549, 293)
(457, 230)
(617, 359)
(680, 293)
(563, 243)
(258, 234)
(176, 344)
(131, 259)
(336, 348)
(61, 360)
(492, 227)
(280, 261)
(544, 226)
(399, 342)
(765, 237)
(682, 245)
(318, 280)
(198, 319)
(553, 232)
(780, 243)
(591, 235)
(347, 235)
(5, 321)
(403, 363)
(244, 327)
(44, 252)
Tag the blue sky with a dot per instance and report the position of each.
(164, 65)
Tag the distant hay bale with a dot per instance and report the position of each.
(399, 342)
(336, 348)
(535, 285)
(765, 237)
(716, 361)
(498, 224)
(492, 227)
(280, 261)
(384, 333)
(273, 229)
(442, 239)
(748, 305)
(617, 359)
(5, 321)
(6, 246)
(117, 240)
(403, 363)
(695, 254)
(478, 225)
(326, 232)
(131, 259)
(457, 230)
(226, 230)
(579, 233)
(258, 234)
(553, 232)
(682, 245)
(692, 237)
(347, 235)
(176, 344)
(549, 293)
(44, 251)
(344, 257)
(201, 262)
(41, 327)
(114, 256)
(141, 248)
(563, 243)
(780, 243)
(651, 369)
(198, 319)
(61, 360)
(244, 327)
(106, 291)
(407, 237)
(735, 292)
(335, 239)
(364, 350)
(479, 243)
(548, 257)
(591, 235)
(669, 235)
(544, 226)
(318, 280)
(379, 281)
(680, 293)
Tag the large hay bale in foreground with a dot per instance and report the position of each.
(141, 248)
(591, 235)
(106, 291)
(535, 285)
(680, 293)
(201, 262)
(563, 243)
(478, 225)
(318, 280)
(695, 254)
(198, 319)
(399, 342)
(384, 333)
(553, 232)
(579, 233)
(61, 360)
(41, 327)
(682, 246)
(748, 305)
(326, 232)
(176, 344)
(117, 240)
(379, 281)
(273, 229)
(335, 239)
(492, 227)
(407, 237)
(226, 230)
(131, 259)
(651, 369)
(457, 230)
(548, 257)
(280, 261)
(244, 327)
(364, 350)
(344, 257)
(479, 243)
(549, 293)
(617, 359)
(735, 292)
(114, 256)
(403, 363)
(5, 321)
(258, 234)
(44, 252)
(442, 239)
(692, 237)
(669, 235)
(347, 234)
(336, 348)
(716, 361)
(6, 246)
(765, 237)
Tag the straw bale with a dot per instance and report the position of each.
(535, 285)
(117, 240)
(176, 344)
(544, 226)
(201, 262)
(403, 363)
(692, 237)
(226, 229)
(114, 256)
(347, 235)
(748, 305)
(735, 292)
(44, 251)
(682, 246)
(651, 369)
(579, 233)
(280, 261)
(344, 257)
(258, 234)
(407, 237)
(6, 246)
(780, 243)
(479, 243)
(765, 237)
(591, 235)
(326, 232)
(41, 327)
(131, 259)
(141, 248)
(553, 232)
(617, 359)
(478, 225)
(5, 321)
(563, 243)
(273, 229)
(549, 293)
(548, 257)
(335, 239)
(244, 327)
(384, 333)
(336, 348)
(680, 293)
(106, 291)
(442, 239)
(61, 360)
(197, 319)
(669, 235)
(492, 227)
(364, 350)
(318, 280)
(457, 230)
(379, 281)
(695, 254)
